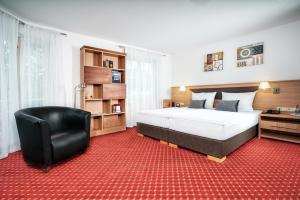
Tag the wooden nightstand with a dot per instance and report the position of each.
(283, 127)
(167, 103)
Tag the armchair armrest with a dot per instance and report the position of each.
(77, 118)
(35, 140)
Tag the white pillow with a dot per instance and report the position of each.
(208, 96)
(246, 99)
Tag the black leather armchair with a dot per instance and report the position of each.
(52, 134)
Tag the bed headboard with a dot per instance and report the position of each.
(289, 94)
(225, 89)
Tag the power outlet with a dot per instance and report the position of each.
(286, 109)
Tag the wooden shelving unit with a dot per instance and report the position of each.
(100, 92)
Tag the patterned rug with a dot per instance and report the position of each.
(126, 166)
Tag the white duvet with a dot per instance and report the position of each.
(219, 125)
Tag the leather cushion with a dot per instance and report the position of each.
(67, 143)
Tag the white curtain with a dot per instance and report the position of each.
(33, 75)
(9, 91)
(142, 82)
(42, 74)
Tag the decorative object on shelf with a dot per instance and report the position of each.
(213, 62)
(111, 64)
(116, 77)
(179, 104)
(116, 108)
(78, 88)
(106, 63)
(297, 111)
(250, 55)
(272, 111)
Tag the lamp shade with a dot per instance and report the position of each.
(264, 85)
(182, 89)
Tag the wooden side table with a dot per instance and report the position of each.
(282, 126)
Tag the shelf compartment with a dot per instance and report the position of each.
(111, 57)
(111, 121)
(118, 60)
(93, 106)
(280, 136)
(97, 75)
(92, 58)
(106, 106)
(118, 101)
(121, 62)
(96, 123)
(92, 92)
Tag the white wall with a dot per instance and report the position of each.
(281, 59)
(72, 47)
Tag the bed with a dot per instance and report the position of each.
(208, 131)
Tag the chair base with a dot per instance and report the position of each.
(46, 169)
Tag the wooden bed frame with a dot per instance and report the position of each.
(217, 150)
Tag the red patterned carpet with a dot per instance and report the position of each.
(126, 166)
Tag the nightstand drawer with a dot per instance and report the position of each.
(268, 124)
(280, 126)
(293, 127)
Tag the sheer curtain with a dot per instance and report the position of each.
(142, 78)
(42, 74)
(33, 76)
(9, 92)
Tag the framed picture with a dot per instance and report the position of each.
(213, 62)
(250, 55)
(116, 77)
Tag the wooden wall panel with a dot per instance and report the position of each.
(289, 94)
(97, 75)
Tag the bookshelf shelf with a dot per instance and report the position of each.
(101, 94)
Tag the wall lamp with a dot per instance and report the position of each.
(182, 89)
(265, 85)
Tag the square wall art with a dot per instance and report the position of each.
(250, 55)
(213, 62)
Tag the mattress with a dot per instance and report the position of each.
(209, 123)
(160, 117)
(214, 124)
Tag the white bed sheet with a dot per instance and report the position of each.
(214, 124)
(160, 117)
(219, 125)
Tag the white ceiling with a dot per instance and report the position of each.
(161, 25)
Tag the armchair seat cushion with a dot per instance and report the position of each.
(67, 143)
